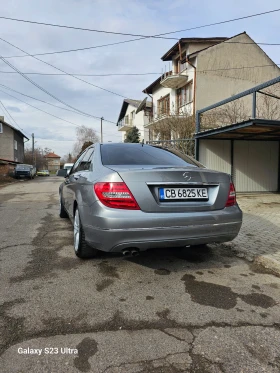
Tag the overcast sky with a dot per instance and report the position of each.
(148, 17)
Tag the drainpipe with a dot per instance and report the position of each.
(180, 55)
(194, 106)
(194, 85)
(152, 108)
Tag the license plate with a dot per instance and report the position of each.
(166, 194)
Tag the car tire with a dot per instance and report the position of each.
(62, 212)
(82, 249)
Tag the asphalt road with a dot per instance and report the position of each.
(183, 310)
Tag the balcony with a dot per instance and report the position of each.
(173, 80)
(125, 124)
(175, 115)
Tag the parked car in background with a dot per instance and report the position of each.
(68, 166)
(43, 173)
(24, 171)
(62, 172)
(131, 197)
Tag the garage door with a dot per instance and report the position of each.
(255, 166)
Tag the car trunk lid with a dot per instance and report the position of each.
(147, 184)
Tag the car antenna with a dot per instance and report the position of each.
(142, 143)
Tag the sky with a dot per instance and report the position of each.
(145, 17)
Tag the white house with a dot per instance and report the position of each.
(134, 113)
(205, 71)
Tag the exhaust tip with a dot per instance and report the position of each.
(126, 252)
(134, 252)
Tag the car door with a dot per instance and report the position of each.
(70, 185)
(83, 182)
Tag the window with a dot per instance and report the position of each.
(126, 121)
(180, 63)
(86, 161)
(15, 144)
(76, 164)
(132, 114)
(164, 105)
(1, 128)
(136, 154)
(185, 94)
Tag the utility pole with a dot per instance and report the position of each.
(101, 130)
(33, 148)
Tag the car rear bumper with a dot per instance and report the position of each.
(127, 229)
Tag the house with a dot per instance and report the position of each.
(205, 71)
(11, 146)
(134, 113)
(53, 161)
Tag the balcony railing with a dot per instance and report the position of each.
(125, 124)
(173, 80)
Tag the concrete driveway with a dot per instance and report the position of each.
(184, 310)
(259, 238)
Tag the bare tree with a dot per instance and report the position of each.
(268, 107)
(174, 129)
(39, 160)
(233, 112)
(84, 134)
(67, 158)
(178, 124)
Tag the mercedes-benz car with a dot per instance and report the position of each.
(124, 197)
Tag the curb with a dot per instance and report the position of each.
(261, 263)
(271, 265)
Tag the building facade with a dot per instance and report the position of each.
(205, 71)
(11, 143)
(52, 161)
(131, 115)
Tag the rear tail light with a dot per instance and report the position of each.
(231, 196)
(116, 195)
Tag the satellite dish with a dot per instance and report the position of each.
(141, 106)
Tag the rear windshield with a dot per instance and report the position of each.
(136, 154)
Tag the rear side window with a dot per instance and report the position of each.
(134, 154)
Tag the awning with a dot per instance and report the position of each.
(252, 129)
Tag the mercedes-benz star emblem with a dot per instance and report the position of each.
(187, 176)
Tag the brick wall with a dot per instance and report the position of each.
(6, 169)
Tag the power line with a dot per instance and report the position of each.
(122, 42)
(42, 89)
(75, 77)
(43, 101)
(65, 120)
(98, 75)
(237, 68)
(123, 74)
(79, 49)
(221, 22)
(139, 35)
(10, 115)
(81, 28)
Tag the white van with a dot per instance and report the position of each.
(68, 166)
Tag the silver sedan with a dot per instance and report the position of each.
(131, 197)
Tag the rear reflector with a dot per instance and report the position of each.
(116, 195)
(231, 196)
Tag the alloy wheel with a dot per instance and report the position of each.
(76, 231)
